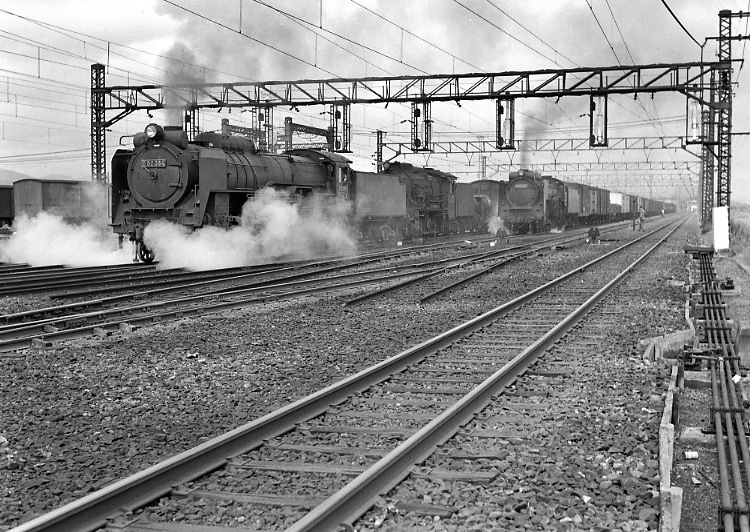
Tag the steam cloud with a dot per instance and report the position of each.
(494, 224)
(270, 230)
(73, 232)
(47, 239)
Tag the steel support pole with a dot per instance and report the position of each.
(98, 125)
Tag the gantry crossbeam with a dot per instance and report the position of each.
(689, 78)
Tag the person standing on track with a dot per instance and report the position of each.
(641, 217)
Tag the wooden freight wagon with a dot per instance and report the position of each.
(461, 209)
(74, 201)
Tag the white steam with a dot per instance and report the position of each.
(47, 239)
(271, 229)
(494, 224)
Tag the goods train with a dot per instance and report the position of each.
(532, 202)
(208, 181)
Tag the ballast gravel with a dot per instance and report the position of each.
(81, 415)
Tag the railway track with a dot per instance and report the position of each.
(65, 283)
(326, 458)
(42, 327)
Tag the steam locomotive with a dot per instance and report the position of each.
(209, 180)
(531, 202)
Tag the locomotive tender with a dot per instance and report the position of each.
(209, 180)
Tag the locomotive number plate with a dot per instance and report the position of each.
(521, 185)
(154, 163)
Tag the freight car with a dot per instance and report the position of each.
(488, 195)
(208, 181)
(533, 203)
(75, 201)
(587, 205)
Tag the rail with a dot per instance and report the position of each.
(92, 511)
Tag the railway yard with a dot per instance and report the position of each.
(298, 397)
(344, 266)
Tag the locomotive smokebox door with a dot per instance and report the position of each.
(157, 177)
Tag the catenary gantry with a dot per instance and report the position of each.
(695, 80)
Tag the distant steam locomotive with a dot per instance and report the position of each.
(533, 203)
(530, 202)
(207, 182)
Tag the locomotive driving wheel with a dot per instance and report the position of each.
(144, 253)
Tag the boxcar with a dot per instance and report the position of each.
(74, 201)
(599, 205)
(461, 209)
(488, 196)
(579, 204)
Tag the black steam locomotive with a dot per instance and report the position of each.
(209, 180)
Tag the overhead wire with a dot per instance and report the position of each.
(543, 41)
(679, 22)
(66, 32)
(431, 43)
(313, 28)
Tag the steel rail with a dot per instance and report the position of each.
(119, 281)
(27, 327)
(488, 256)
(93, 510)
(349, 503)
(29, 335)
(14, 337)
(468, 279)
(21, 317)
(332, 264)
(17, 271)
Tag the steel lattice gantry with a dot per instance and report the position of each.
(553, 145)
(724, 109)
(681, 77)
(98, 142)
(595, 83)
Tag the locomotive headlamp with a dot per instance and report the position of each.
(154, 132)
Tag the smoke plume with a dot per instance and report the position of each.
(182, 70)
(271, 229)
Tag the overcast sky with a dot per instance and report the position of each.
(47, 49)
